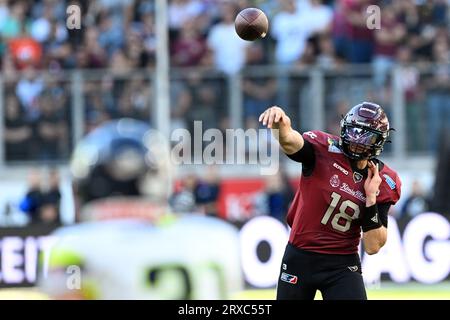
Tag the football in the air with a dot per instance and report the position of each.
(251, 24)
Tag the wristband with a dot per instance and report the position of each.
(371, 219)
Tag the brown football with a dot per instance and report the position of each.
(251, 24)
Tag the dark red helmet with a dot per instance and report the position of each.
(364, 131)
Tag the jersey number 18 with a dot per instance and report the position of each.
(335, 197)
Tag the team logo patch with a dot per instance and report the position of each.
(332, 146)
(289, 278)
(334, 181)
(390, 181)
(357, 177)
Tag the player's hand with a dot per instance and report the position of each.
(274, 117)
(372, 183)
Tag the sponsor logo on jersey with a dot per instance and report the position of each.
(353, 268)
(390, 181)
(355, 193)
(334, 181)
(357, 177)
(340, 168)
(310, 134)
(289, 278)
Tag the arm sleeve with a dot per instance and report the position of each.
(306, 156)
(375, 216)
(383, 210)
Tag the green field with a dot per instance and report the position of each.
(385, 291)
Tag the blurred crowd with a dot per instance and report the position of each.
(119, 35)
(201, 195)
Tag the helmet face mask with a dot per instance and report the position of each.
(364, 131)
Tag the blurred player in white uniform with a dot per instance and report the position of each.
(127, 244)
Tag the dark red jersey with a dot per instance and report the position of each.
(325, 215)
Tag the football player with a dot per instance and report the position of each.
(343, 188)
(127, 244)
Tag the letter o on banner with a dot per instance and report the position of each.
(257, 273)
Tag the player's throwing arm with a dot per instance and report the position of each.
(291, 141)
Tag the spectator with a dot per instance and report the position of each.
(290, 31)
(28, 89)
(207, 192)
(25, 51)
(135, 51)
(141, 95)
(183, 199)
(128, 106)
(94, 49)
(411, 87)
(96, 111)
(120, 10)
(181, 103)
(279, 193)
(32, 202)
(189, 48)
(119, 63)
(17, 131)
(308, 57)
(416, 203)
(49, 212)
(58, 50)
(204, 107)
(318, 16)
(41, 27)
(51, 129)
(340, 30)
(146, 32)
(4, 12)
(37, 9)
(228, 49)
(387, 39)
(142, 8)
(359, 48)
(180, 11)
(15, 21)
(327, 57)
